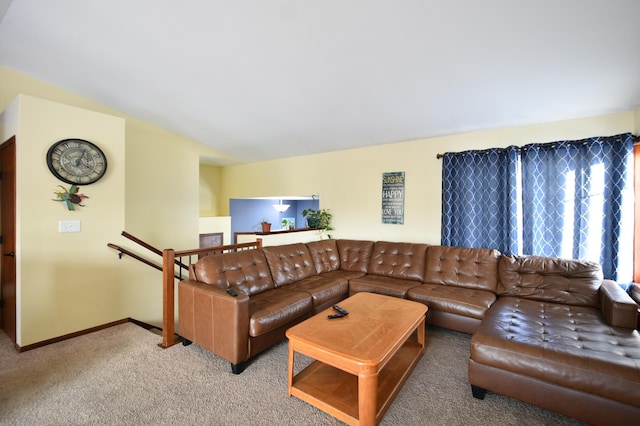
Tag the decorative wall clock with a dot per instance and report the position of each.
(76, 161)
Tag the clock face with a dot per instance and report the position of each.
(76, 161)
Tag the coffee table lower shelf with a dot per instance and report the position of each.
(336, 392)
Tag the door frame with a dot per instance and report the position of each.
(8, 284)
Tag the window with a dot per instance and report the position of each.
(569, 199)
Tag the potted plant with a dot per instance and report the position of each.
(318, 219)
(266, 225)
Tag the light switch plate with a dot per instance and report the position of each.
(69, 226)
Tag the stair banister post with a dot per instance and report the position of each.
(168, 296)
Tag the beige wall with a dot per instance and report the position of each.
(159, 202)
(209, 190)
(215, 224)
(349, 182)
(64, 280)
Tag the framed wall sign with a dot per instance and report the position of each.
(393, 198)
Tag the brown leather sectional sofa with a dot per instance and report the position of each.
(547, 331)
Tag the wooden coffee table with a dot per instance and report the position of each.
(362, 360)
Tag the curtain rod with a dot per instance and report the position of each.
(636, 141)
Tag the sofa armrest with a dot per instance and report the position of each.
(215, 320)
(635, 292)
(618, 308)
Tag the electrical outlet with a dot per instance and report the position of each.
(69, 226)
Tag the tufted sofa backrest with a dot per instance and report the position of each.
(325, 256)
(246, 269)
(289, 263)
(355, 255)
(398, 260)
(463, 267)
(549, 279)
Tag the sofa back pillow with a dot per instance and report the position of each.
(474, 268)
(324, 254)
(246, 269)
(355, 255)
(398, 260)
(289, 263)
(550, 279)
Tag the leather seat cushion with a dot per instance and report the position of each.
(456, 300)
(347, 275)
(274, 308)
(382, 285)
(571, 346)
(322, 288)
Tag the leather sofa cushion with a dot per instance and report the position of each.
(398, 260)
(354, 254)
(274, 308)
(247, 270)
(550, 279)
(289, 263)
(381, 285)
(324, 254)
(347, 275)
(567, 345)
(472, 268)
(322, 288)
(467, 302)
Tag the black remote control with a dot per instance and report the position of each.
(232, 292)
(341, 310)
(335, 316)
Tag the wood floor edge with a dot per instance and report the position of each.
(82, 332)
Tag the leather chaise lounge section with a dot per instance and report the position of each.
(547, 331)
(560, 337)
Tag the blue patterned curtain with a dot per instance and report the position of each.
(479, 199)
(578, 202)
(571, 199)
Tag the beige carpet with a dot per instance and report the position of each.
(120, 376)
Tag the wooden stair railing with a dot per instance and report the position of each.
(154, 250)
(169, 257)
(150, 248)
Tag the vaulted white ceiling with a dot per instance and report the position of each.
(263, 79)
